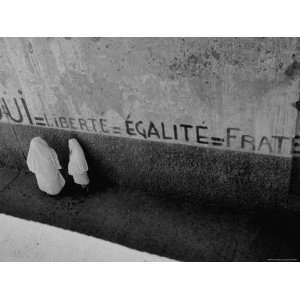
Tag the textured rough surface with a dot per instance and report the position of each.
(6, 177)
(214, 83)
(203, 176)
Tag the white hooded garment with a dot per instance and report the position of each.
(77, 166)
(43, 162)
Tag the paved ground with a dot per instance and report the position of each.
(22, 240)
(6, 177)
(162, 226)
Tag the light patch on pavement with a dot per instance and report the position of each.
(22, 240)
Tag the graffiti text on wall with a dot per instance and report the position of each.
(16, 111)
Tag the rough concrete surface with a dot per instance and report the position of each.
(205, 176)
(247, 83)
(6, 177)
(160, 225)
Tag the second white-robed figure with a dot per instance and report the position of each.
(78, 166)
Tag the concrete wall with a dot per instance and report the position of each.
(207, 117)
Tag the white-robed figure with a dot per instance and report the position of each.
(78, 166)
(42, 160)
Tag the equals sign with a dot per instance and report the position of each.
(217, 141)
(116, 130)
(40, 121)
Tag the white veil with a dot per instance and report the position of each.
(41, 158)
(77, 163)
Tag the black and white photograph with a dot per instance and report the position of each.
(149, 148)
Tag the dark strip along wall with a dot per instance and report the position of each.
(204, 176)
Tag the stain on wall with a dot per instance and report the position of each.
(212, 83)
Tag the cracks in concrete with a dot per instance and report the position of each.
(11, 180)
